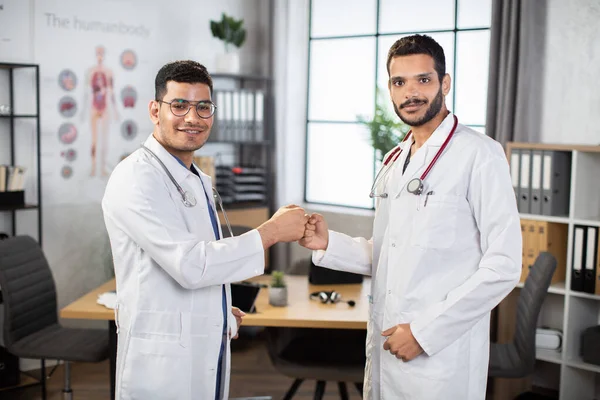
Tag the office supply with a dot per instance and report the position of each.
(108, 299)
(325, 276)
(515, 171)
(536, 182)
(590, 345)
(524, 204)
(549, 339)
(556, 182)
(591, 252)
(244, 294)
(578, 258)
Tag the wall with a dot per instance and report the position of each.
(571, 101)
(46, 32)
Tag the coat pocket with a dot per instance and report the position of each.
(435, 225)
(156, 369)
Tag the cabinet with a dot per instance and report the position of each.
(242, 143)
(20, 145)
(570, 311)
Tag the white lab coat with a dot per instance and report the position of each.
(169, 272)
(441, 267)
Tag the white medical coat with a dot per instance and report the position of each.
(442, 267)
(169, 273)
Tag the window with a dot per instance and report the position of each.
(349, 41)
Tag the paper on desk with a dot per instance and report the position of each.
(107, 299)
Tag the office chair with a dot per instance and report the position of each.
(517, 358)
(323, 355)
(31, 327)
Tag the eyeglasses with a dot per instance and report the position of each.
(180, 107)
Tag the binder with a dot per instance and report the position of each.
(515, 159)
(536, 182)
(597, 280)
(530, 246)
(556, 182)
(524, 205)
(524, 267)
(553, 238)
(589, 272)
(578, 261)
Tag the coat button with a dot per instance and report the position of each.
(393, 244)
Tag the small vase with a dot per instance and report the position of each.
(228, 63)
(278, 297)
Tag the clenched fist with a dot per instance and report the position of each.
(286, 225)
(316, 233)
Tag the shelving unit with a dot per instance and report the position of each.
(565, 309)
(248, 147)
(15, 78)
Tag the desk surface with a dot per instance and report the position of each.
(300, 312)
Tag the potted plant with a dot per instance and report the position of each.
(233, 34)
(278, 291)
(386, 129)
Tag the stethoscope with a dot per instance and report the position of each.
(188, 198)
(415, 186)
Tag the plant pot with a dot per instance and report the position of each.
(278, 297)
(228, 63)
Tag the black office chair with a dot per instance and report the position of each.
(31, 327)
(517, 358)
(323, 355)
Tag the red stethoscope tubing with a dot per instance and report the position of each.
(398, 150)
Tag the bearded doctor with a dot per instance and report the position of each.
(446, 244)
(172, 265)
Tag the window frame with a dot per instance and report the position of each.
(377, 35)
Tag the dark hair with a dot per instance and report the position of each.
(180, 71)
(419, 44)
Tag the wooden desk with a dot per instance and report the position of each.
(300, 312)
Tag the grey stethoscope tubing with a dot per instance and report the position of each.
(187, 198)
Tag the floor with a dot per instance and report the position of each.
(252, 375)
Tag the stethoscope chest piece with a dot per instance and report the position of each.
(189, 200)
(415, 186)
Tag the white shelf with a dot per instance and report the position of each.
(584, 295)
(578, 363)
(556, 288)
(546, 218)
(552, 356)
(587, 221)
(567, 310)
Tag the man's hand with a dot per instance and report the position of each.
(286, 225)
(401, 342)
(238, 314)
(316, 233)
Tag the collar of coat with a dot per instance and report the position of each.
(179, 172)
(437, 137)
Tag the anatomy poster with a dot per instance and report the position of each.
(96, 80)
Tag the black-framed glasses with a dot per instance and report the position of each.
(180, 107)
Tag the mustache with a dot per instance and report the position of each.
(412, 102)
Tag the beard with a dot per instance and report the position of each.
(431, 112)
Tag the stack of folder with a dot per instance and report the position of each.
(239, 116)
(541, 236)
(12, 178)
(241, 184)
(585, 269)
(541, 180)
